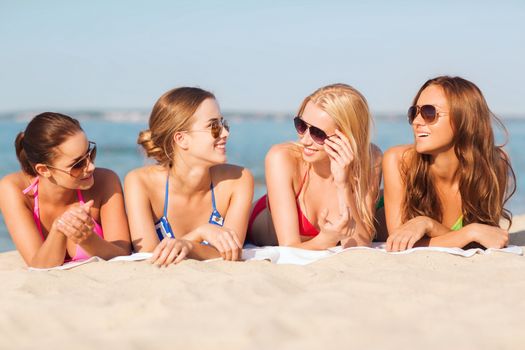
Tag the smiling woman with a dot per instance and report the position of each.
(191, 203)
(56, 207)
(449, 188)
(323, 189)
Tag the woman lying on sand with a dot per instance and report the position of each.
(191, 196)
(323, 189)
(59, 207)
(448, 189)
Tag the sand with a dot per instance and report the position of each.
(356, 299)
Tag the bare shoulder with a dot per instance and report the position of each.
(106, 177)
(397, 154)
(145, 176)
(231, 172)
(14, 183)
(286, 157)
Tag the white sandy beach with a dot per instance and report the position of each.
(356, 299)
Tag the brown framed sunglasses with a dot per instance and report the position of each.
(77, 169)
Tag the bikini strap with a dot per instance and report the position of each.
(302, 183)
(36, 207)
(80, 196)
(165, 212)
(212, 197)
(32, 186)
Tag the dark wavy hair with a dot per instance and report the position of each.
(486, 177)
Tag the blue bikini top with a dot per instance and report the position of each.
(163, 228)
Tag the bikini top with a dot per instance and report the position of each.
(163, 227)
(80, 254)
(306, 228)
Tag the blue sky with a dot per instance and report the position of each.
(255, 55)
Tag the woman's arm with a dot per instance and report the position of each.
(485, 235)
(113, 219)
(19, 220)
(140, 217)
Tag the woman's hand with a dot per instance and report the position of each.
(341, 157)
(221, 238)
(489, 236)
(335, 231)
(76, 223)
(405, 236)
(170, 251)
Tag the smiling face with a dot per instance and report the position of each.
(315, 116)
(201, 142)
(69, 154)
(437, 136)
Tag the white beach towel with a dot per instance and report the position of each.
(296, 256)
(288, 255)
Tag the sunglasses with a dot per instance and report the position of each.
(318, 135)
(78, 168)
(216, 127)
(428, 113)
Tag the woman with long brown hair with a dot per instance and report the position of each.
(59, 206)
(322, 190)
(191, 203)
(449, 188)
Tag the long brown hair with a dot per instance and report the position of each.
(45, 132)
(349, 110)
(172, 113)
(486, 177)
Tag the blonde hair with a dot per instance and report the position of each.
(173, 112)
(349, 110)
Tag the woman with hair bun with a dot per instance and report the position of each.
(450, 186)
(59, 207)
(191, 203)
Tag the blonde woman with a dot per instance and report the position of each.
(323, 189)
(450, 186)
(191, 203)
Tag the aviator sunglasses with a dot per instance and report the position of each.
(78, 168)
(216, 127)
(318, 135)
(428, 112)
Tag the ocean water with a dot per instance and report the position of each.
(251, 136)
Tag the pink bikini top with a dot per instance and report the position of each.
(80, 254)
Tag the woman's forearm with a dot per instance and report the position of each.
(52, 252)
(97, 246)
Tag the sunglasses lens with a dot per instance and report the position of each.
(78, 168)
(428, 112)
(300, 125)
(318, 135)
(216, 128)
(412, 112)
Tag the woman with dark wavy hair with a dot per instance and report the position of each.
(450, 186)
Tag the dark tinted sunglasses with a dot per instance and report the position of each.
(428, 113)
(318, 135)
(78, 168)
